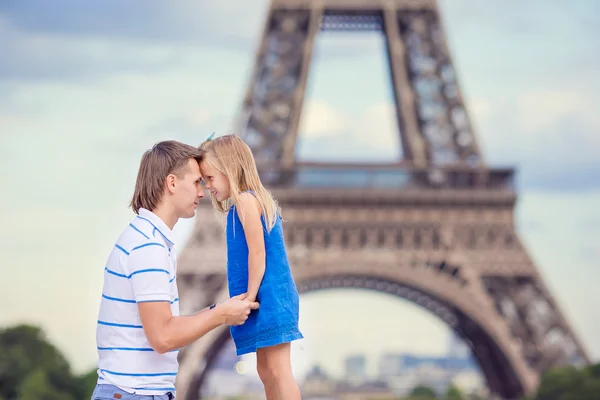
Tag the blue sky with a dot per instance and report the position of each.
(84, 91)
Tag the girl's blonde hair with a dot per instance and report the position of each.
(231, 156)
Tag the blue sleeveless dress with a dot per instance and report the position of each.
(276, 320)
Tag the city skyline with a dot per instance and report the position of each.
(396, 372)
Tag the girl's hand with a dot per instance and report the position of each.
(235, 311)
(244, 296)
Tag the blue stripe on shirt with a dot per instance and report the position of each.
(129, 349)
(147, 244)
(138, 247)
(119, 325)
(159, 301)
(130, 374)
(154, 301)
(155, 228)
(143, 234)
(122, 249)
(115, 273)
(125, 349)
(165, 388)
(117, 299)
(134, 302)
(141, 271)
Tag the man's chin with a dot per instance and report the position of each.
(189, 214)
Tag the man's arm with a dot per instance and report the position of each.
(166, 332)
(150, 281)
(253, 228)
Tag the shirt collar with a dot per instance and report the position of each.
(159, 225)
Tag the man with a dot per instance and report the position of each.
(139, 329)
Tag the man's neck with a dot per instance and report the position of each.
(168, 216)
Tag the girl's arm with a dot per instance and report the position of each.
(250, 216)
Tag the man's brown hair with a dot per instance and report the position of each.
(164, 158)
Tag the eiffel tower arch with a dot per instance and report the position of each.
(436, 228)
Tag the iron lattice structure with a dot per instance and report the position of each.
(436, 228)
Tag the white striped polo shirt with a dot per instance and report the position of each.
(140, 268)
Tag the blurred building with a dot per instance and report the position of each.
(390, 365)
(318, 385)
(355, 367)
(402, 371)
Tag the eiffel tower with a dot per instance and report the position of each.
(436, 228)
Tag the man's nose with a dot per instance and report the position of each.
(201, 192)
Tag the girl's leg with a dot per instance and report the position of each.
(275, 371)
(265, 376)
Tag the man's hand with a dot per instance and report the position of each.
(236, 309)
(166, 332)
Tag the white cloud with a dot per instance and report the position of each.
(119, 109)
(210, 22)
(479, 109)
(328, 134)
(378, 125)
(199, 117)
(541, 110)
(321, 119)
(7, 120)
(551, 136)
(34, 56)
(374, 126)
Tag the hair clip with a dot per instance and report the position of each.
(210, 137)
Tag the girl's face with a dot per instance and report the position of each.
(215, 182)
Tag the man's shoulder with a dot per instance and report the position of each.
(134, 239)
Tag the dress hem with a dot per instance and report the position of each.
(270, 342)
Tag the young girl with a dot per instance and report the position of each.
(257, 262)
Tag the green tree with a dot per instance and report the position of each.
(593, 371)
(422, 393)
(570, 383)
(38, 387)
(558, 382)
(453, 393)
(85, 384)
(33, 368)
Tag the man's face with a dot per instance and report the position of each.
(188, 191)
(215, 182)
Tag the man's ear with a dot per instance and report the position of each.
(170, 183)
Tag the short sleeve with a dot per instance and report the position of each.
(148, 267)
